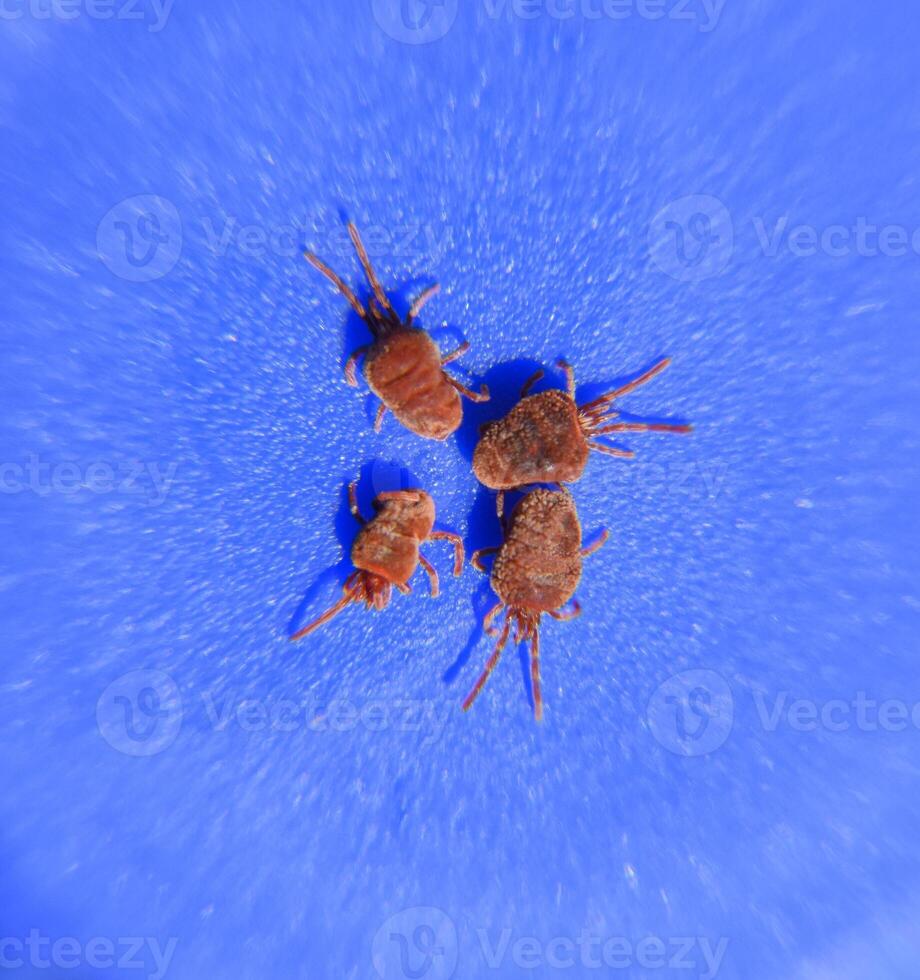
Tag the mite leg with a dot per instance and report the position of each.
(643, 427)
(382, 298)
(569, 377)
(476, 558)
(454, 354)
(353, 502)
(403, 587)
(535, 675)
(631, 386)
(611, 451)
(432, 575)
(420, 301)
(591, 548)
(456, 541)
(564, 615)
(378, 418)
(481, 396)
(530, 382)
(490, 616)
(500, 504)
(352, 593)
(490, 666)
(351, 364)
(318, 263)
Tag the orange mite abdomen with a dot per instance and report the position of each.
(388, 544)
(539, 441)
(539, 565)
(404, 370)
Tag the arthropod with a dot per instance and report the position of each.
(546, 437)
(386, 552)
(403, 365)
(536, 570)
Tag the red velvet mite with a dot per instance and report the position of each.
(546, 437)
(386, 553)
(536, 570)
(403, 365)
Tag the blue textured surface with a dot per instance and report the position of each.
(524, 162)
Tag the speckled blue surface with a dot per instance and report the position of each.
(176, 439)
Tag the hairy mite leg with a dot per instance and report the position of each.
(530, 382)
(420, 301)
(490, 616)
(569, 377)
(535, 673)
(611, 451)
(353, 592)
(631, 386)
(432, 575)
(353, 502)
(565, 615)
(481, 396)
(318, 263)
(456, 541)
(643, 427)
(500, 503)
(378, 418)
(476, 558)
(382, 297)
(490, 666)
(403, 587)
(454, 354)
(591, 548)
(351, 364)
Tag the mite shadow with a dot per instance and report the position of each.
(375, 477)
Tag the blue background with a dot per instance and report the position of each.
(522, 163)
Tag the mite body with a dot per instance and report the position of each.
(546, 437)
(403, 365)
(386, 552)
(536, 570)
